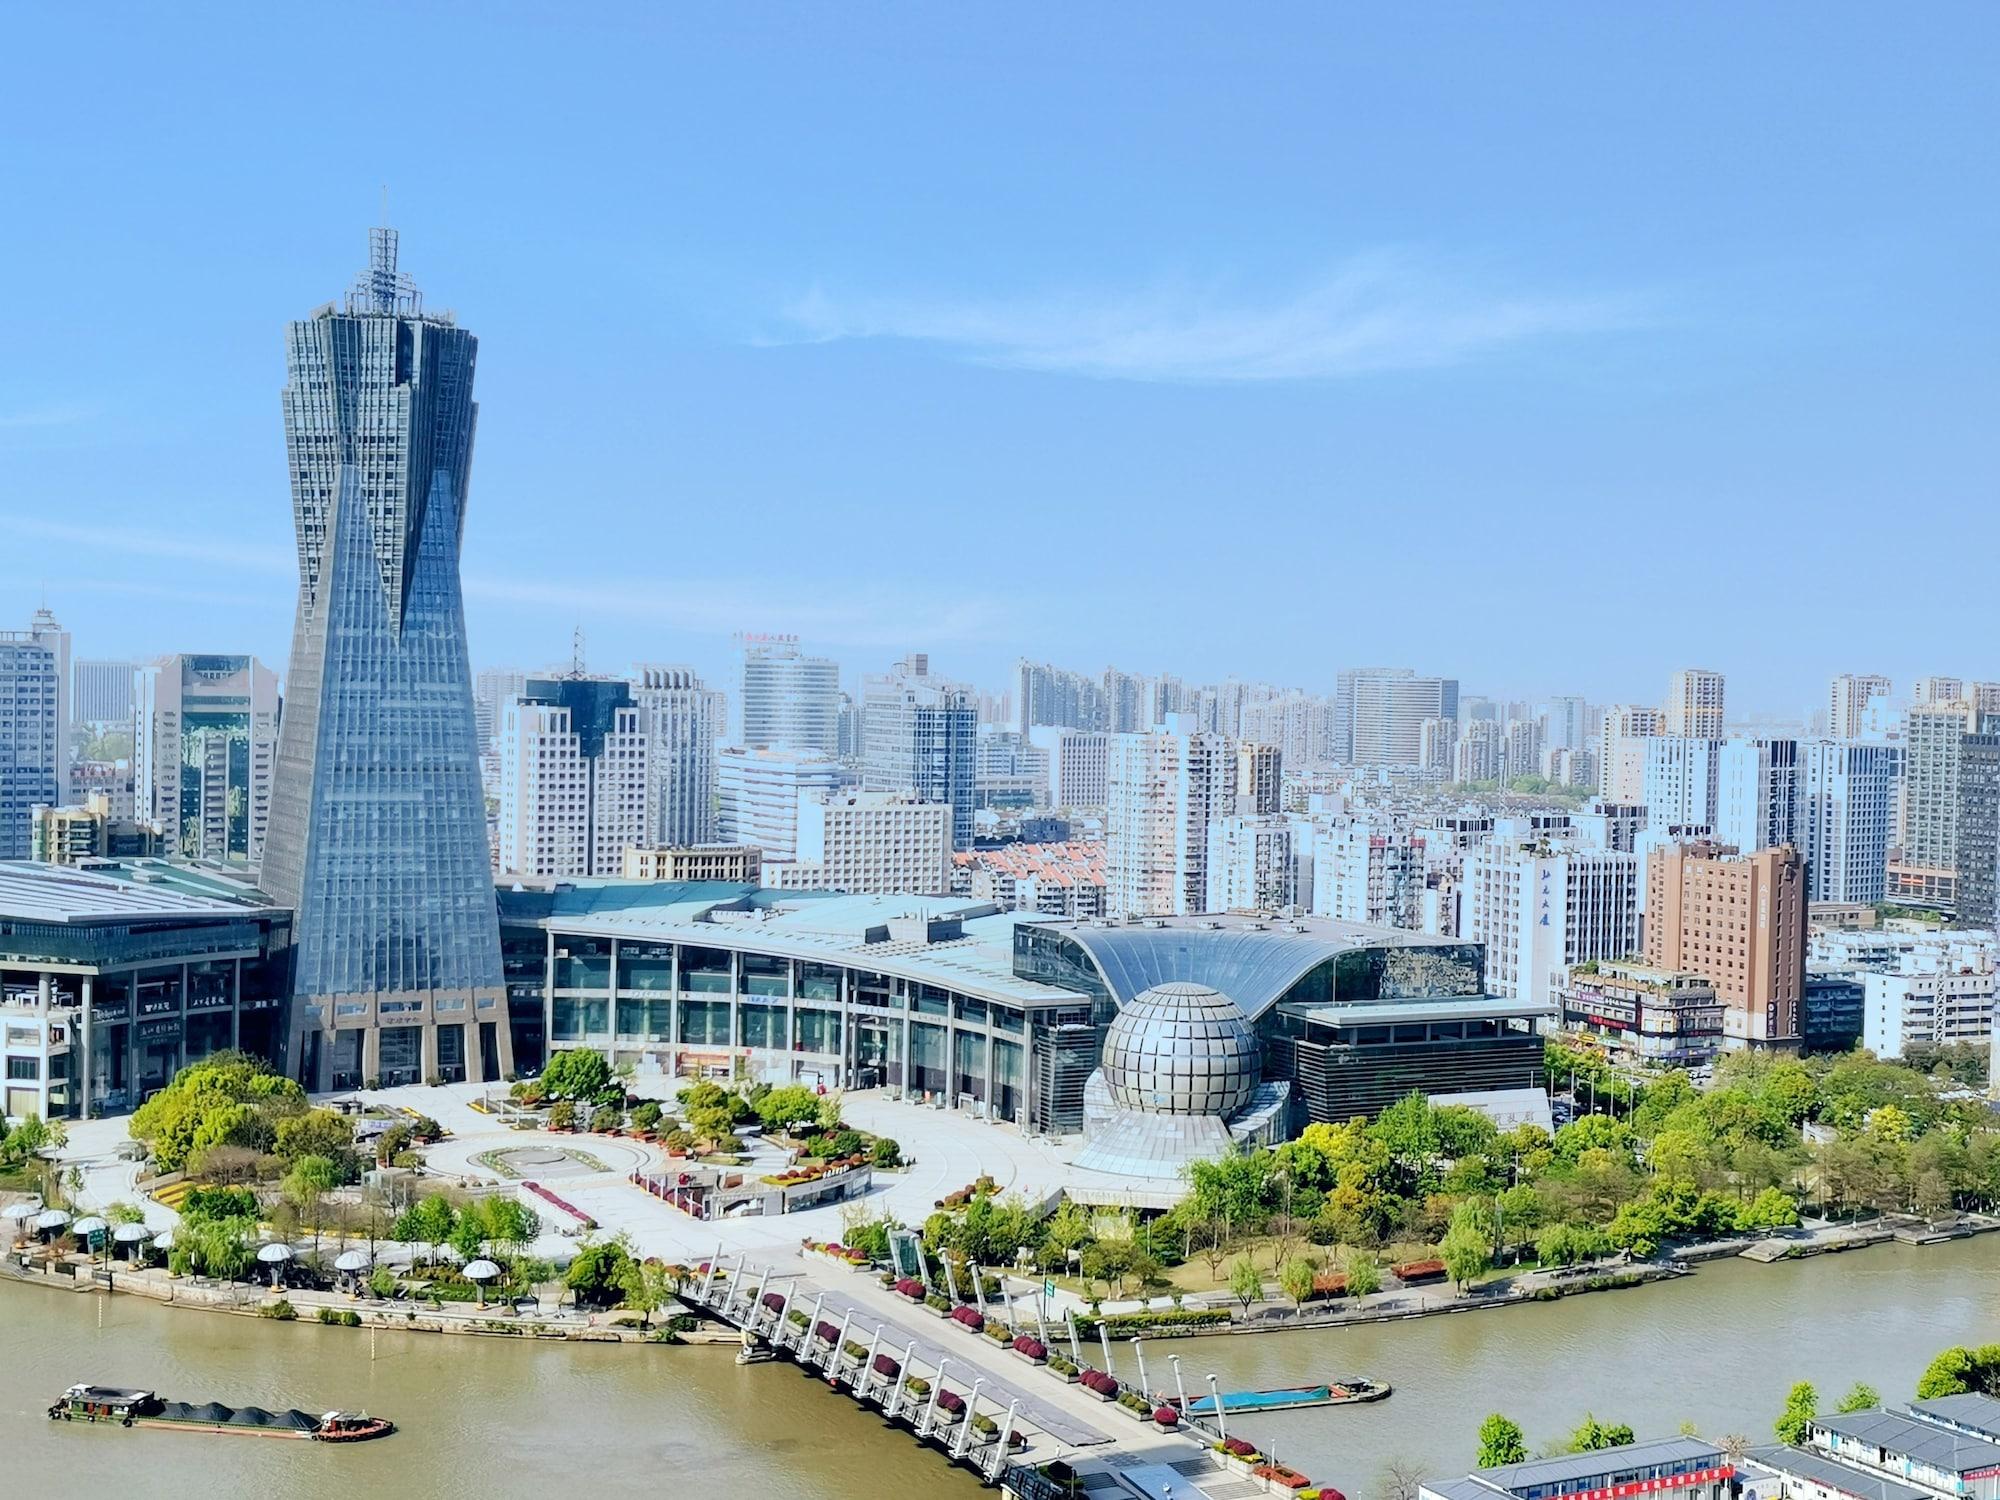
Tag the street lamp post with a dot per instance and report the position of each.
(896, 1397)
(1180, 1386)
(1139, 1354)
(812, 1328)
(1215, 1396)
(868, 1370)
(708, 1276)
(1006, 1437)
(839, 1346)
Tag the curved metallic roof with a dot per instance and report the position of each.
(1253, 967)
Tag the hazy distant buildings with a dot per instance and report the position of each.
(921, 738)
(493, 688)
(1694, 708)
(1055, 879)
(1079, 765)
(1385, 711)
(1045, 694)
(204, 752)
(1847, 700)
(789, 699)
(1481, 752)
(1367, 871)
(1165, 787)
(89, 830)
(1977, 865)
(1621, 751)
(684, 719)
(103, 691)
(378, 838)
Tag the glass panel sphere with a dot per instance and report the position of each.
(1181, 1049)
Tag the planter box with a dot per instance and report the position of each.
(943, 1314)
(1027, 1359)
(1100, 1397)
(1065, 1379)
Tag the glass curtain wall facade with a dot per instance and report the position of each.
(378, 827)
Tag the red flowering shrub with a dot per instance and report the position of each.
(910, 1287)
(951, 1401)
(1031, 1346)
(971, 1317)
(1166, 1416)
(1237, 1448)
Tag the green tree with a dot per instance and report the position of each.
(576, 1073)
(1959, 1369)
(1245, 1285)
(1296, 1276)
(711, 1126)
(562, 1115)
(1860, 1397)
(1593, 1435)
(468, 1235)
(1773, 1208)
(648, 1286)
(1501, 1441)
(305, 1187)
(1801, 1410)
(788, 1104)
(598, 1274)
(427, 1223)
(1467, 1250)
(1364, 1274)
(316, 1132)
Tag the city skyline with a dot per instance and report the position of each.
(1575, 354)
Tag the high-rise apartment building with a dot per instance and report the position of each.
(1523, 750)
(1564, 723)
(43, 628)
(1481, 751)
(921, 737)
(758, 793)
(1694, 704)
(1847, 701)
(1621, 750)
(1251, 864)
(205, 752)
(790, 700)
(1127, 702)
(685, 718)
(1367, 871)
(1930, 690)
(577, 785)
(1079, 764)
(1260, 778)
(1387, 709)
(1978, 855)
(1437, 747)
(1739, 921)
(1541, 906)
(30, 737)
(102, 691)
(1681, 781)
(1165, 787)
(869, 843)
(1933, 738)
(1847, 809)
(1045, 694)
(378, 822)
(1758, 786)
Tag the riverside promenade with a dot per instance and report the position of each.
(1036, 1415)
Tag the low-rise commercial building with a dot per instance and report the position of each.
(1648, 1015)
(113, 976)
(72, 835)
(1675, 1468)
(870, 843)
(734, 863)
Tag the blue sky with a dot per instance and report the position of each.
(1551, 347)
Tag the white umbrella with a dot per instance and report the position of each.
(164, 1240)
(51, 1218)
(351, 1260)
(479, 1273)
(130, 1234)
(274, 1254)
(90, 1225)
(16, 1213)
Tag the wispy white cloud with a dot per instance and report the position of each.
(132, 541)
(49, 414)
(716, 607)
(1373, 313)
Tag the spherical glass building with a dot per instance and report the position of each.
(1181, 1049)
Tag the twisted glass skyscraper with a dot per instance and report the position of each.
(378, 822)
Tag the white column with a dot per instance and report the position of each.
(868, 1370)
(930, 1409)
(1006, 1436)
(965, 1427)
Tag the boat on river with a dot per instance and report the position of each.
(130, 1407)
(1285, 1398)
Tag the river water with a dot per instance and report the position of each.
(1719, 1348)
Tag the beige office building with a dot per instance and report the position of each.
(1739, 921)
(1694, 704)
